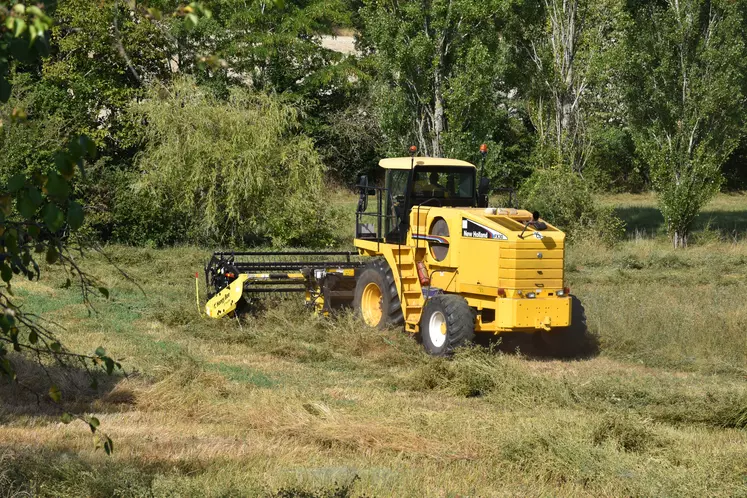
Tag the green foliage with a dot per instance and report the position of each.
(683, 73)
(228, 172)
(275, 48)
(613, 164)
(49, 118)
(279, 50)
(349, 140)
(569, 202)
(23, 36)
(103, 52)
(445, 75)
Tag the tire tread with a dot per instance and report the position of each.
(460, 322)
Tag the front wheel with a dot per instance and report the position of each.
(446, 324)
(376, 299)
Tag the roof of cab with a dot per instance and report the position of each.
(406, 162)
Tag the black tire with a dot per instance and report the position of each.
(379, 273)
(458, 318)
(571, 341)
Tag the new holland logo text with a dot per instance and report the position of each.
(477, 231)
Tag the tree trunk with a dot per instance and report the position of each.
(679, 239)
(439, 118)
(567, 86)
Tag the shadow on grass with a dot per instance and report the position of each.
(532, 347)
(29, 396)
(650, 220)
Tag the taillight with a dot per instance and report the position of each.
(501, 292)
(563, 292)
(230, 275)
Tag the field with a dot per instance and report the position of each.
(288, 404)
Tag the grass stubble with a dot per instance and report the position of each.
(288, 404)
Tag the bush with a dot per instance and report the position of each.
(233, 171)
(568, 202)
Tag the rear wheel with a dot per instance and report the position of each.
(376, 299)
(447, 323)
(573, 340)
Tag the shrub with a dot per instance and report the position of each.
(567, 201)
(233, 171)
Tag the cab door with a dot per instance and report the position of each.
(397, 209)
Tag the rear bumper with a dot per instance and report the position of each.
(524, 314)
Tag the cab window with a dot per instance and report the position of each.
(454, 186)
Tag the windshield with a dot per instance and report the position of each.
(450, 185)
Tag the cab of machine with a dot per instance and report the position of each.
(412, 182)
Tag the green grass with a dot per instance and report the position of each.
(289, 404)
(725, 215)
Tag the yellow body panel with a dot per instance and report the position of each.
(538, 313)
(225, 301)
(486, 260)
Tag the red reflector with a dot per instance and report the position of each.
(501, 292)
(230, 275)
(566, 290)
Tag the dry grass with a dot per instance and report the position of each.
(292, 405)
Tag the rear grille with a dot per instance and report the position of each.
(531, 264)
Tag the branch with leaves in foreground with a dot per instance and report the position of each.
(39, 218)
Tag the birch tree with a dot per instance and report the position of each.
(564, 54)
(683, 73)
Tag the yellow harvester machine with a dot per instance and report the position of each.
(432, 255)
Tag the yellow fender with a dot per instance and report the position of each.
(225, 301)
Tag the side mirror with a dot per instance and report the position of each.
(482, 192)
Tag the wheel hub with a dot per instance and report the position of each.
(371, 304)
(437, 329)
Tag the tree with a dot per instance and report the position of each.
(104, 55)
(278, 49)
(567, 54)
(683, 75)
(232, 171)
(447, 71)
